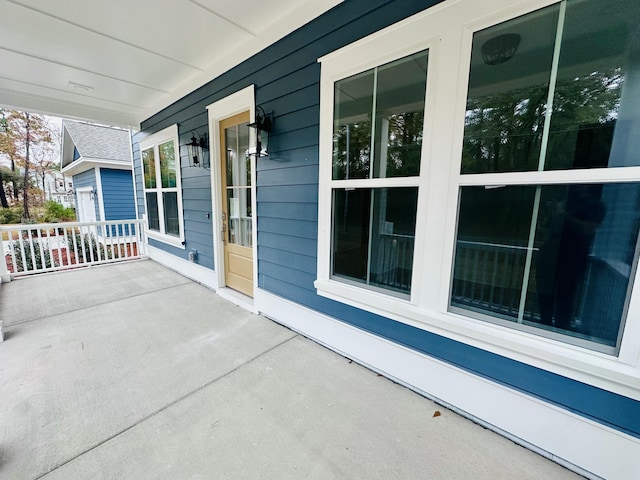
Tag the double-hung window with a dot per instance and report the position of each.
(162, 187)
(480, 176)
(377, 140)
(552, 96)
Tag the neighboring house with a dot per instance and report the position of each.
(59, 189)
(98, 159)
(423, 212)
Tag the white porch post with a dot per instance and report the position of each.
(4, 272)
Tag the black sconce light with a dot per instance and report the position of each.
(500, 49)
(195, 149)
(262, 126)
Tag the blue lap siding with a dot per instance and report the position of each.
(286, 76)
(117, 194)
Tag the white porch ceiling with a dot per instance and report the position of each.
(119, 61)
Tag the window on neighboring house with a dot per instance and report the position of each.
(162, 192)
(534, 222)
(377, 140)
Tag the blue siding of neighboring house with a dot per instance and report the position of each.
(117, 194)
(87, 179)
(286, 76)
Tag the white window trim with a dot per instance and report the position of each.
(451, 26)
(163, 136)
(99, 193)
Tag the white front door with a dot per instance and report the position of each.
(86, 207)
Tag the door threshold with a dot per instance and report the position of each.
(240, 299)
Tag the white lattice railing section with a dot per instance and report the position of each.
(49, 247)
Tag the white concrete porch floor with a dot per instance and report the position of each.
(132, 371)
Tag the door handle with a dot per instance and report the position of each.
(223, 229)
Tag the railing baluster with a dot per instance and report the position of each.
(74, 238)
(50, 254)
(42, 256)
(102, 252)
(13, 249)
(128, 253)
(110, 237)
(58, 242)
(68, 233)
(31, 249)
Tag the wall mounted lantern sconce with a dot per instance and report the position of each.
(500, 49)
(196, 149)
(262, 126)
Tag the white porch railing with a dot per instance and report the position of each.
(48, 247)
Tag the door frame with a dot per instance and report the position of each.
(241, 101)
(80, 193)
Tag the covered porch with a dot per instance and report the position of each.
(130, 370)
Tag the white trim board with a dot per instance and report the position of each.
(99, 193)
(184, 267)
(600, 451)
(237, 102)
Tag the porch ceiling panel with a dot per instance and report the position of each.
(119, 62)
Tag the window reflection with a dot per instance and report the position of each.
(166, 153)
(152, 211)
(171, 218)
(149, 167)
(373, 239)
(562, 95)
(595, 121)
(576, 273)
(386, 104)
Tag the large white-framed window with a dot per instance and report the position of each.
(524, 225)
(162, 186)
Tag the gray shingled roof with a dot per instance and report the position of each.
(95, 141)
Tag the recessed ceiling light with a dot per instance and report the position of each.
(79, 87)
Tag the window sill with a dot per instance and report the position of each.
(168, 239)
(586, 366)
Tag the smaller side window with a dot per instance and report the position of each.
(162, 192)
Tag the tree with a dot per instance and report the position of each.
(24, 136)
(503, 130)
(10, 182)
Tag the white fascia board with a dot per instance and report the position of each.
(47, 105)
(83, 164)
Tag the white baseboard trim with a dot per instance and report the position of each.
(190, 270)
(238, 299)
(585, 446)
